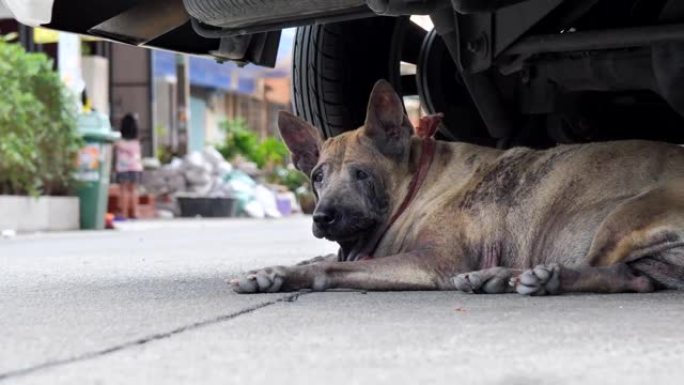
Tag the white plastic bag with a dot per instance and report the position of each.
(267, 200)
(31, 12)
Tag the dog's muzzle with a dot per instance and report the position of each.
(325, 218)
(336, 224)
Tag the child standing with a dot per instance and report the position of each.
(128, 166)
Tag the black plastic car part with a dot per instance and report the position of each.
(143, 22)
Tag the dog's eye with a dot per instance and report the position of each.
(361, 175)
(317, 177)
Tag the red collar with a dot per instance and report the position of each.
(426, 129)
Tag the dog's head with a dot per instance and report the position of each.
(353, 174)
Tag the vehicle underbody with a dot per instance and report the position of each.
(504, 72)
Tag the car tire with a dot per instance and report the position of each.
(334, 68)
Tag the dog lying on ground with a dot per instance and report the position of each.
(412, 213)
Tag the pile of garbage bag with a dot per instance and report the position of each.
(207, 174)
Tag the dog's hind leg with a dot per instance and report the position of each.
(408, 271)
(552, 279)
(495, 280)
(646, 234)
(656, 264)
(666, 268)
(639, 247)
(555, 279)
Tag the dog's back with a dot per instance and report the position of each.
(522, 207)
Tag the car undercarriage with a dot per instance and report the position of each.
(505, 73)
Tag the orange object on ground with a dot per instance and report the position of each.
(147, 207)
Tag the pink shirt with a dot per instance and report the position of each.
(128, 156)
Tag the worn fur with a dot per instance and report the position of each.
(600, 217)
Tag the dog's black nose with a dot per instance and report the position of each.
(324, 217)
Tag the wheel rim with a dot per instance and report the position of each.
(404, 54)
(441, 89)
(405, 47)
(433, 80)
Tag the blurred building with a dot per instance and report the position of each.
(217, 92)
(180, 101)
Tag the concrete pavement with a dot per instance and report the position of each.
(148, 304)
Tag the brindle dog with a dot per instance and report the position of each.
(601, 217)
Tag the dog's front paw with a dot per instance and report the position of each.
(542, 280)
(489, 281)
(468, 282)
(268, 280)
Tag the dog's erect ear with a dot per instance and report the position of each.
(386, 122)
(302, 139)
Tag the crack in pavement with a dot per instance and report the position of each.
(145, 340)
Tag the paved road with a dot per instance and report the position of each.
(148, 304)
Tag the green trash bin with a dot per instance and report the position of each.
(94, 166)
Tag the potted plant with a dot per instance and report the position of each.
(38, 143)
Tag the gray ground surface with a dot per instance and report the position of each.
(148, 304)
